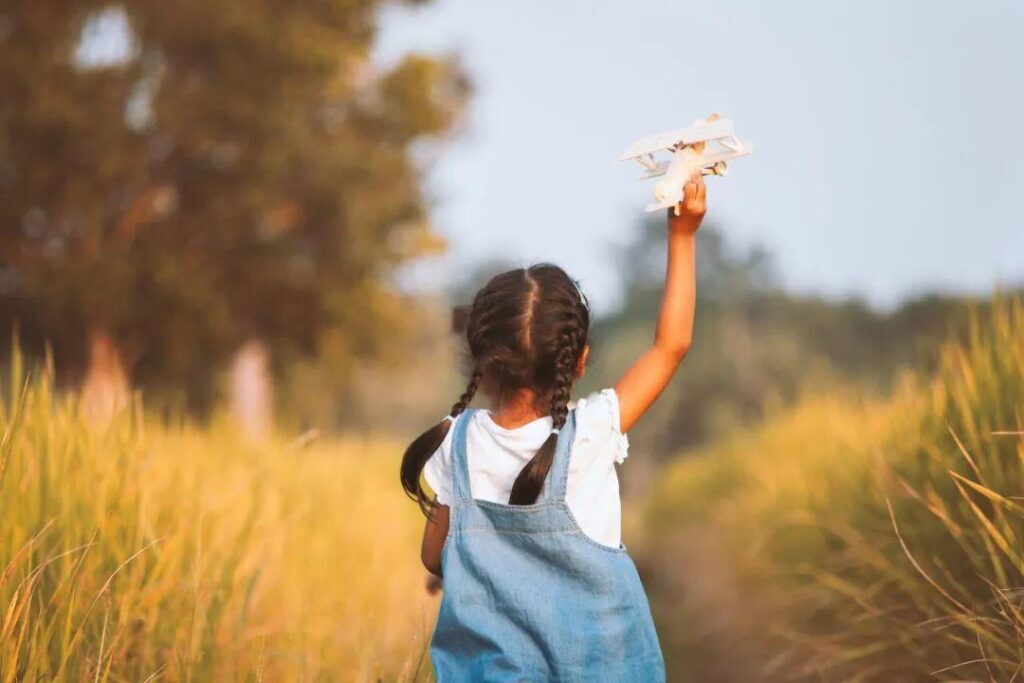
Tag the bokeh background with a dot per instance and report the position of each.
(232, 236)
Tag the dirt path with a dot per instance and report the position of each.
(701, 614)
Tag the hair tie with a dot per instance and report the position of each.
(579, 290)
(449, 418)
(556, 430)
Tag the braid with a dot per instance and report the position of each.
(467, 396)
(565, 374)
(531, 479)
(421, 450)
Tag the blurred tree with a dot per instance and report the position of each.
(177, 178)
(755, 344)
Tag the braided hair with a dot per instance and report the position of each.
(527, 329)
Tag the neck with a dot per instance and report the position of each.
(517, 409)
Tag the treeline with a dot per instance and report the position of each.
(757, 345)
(190, 188)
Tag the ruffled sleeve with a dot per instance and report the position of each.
(438, 471)
(597, 419)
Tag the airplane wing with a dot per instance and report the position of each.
(667, 204)
(704, 130)
(709, 159)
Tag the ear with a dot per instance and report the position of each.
(581, 367)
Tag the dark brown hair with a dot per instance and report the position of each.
(527, 328)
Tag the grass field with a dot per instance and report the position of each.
(138, 552)
(853, 538)
(848, 538)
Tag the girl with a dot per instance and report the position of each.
(525, 523)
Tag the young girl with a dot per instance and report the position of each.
(525, 525)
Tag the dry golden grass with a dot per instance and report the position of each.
(849, 538)
(871, 539)
(142, 553)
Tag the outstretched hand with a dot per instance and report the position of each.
(691, 208)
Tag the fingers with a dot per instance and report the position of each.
(694, 194)
(696, 183)
(690, 190)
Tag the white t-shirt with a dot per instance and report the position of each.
(496, 455)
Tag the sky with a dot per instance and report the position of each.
(888, 141)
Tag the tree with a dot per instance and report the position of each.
(755, 344)
(236, 172)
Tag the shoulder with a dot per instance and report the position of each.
(597, 424)
(599, 410)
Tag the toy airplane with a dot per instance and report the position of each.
(691, 149)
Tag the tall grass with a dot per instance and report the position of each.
(871, 540)
(139, 553)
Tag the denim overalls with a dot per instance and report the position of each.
(529, 597)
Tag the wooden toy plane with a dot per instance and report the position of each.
(706, 145)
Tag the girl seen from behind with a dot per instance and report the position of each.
(524, 525)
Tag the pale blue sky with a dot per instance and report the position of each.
(889, 143)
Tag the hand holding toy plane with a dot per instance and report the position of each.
(705, 145)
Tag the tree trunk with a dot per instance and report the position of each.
(252, 391)
(105, 391)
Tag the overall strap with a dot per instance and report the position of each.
(460, 463)
(554, 487)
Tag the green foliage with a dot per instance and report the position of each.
(873, 540)
(240, 171)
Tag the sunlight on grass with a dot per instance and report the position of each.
(849, 537)
(139, 552)
(870, 539)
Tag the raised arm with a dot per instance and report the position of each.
(641, 385)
